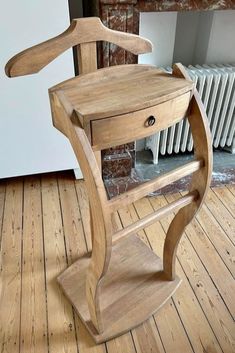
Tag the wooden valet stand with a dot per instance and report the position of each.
(122, 282)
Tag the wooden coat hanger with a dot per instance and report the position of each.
(82, 30)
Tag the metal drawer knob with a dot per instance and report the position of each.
(150, 121)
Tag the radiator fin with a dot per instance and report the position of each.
(216, 87)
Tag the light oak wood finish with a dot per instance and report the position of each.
(194, 325)
(2, 205)
(213, 261)
(153, 185)
(100, 109)
(125, 288)
(203, 267)
(227, 198)
(10, 275)
(33, 336)
(87, 57)
(121, 128)
(200, 179)
(197, 315)
(217, 236)
(87, 62)
(117, 90)
(223, 216)
(82, 30)
(73, 128)
(152, 218)
(59, 312)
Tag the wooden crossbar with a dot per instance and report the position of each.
(144, 189)
(156, 216)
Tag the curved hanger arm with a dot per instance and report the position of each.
(82, 30)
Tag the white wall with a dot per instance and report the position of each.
(203, 31)
(191, 37)
(186, 36)
(159, 27)
(221, 47)
(28, 142)
(206, 37)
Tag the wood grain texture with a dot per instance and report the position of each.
(11, 268)
(147, 339)
(82, 30)
(169, 325)
(76, 220)
(155, 216)
(196, 269)
(125, 287)
(2, 206)
(196, 319)
(101, 221)
(200, 179)
(61, 332)
(207, 221)
(117, 90)
(87, 57)
(195, 323)
(33, 335)
(213, 261)
(227, 198)
(223, 216)
(100, 109)
(87, 62)
(231, 188)
(146, 336)
(121, 129)
(152, 185)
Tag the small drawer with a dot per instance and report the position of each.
(135, 125)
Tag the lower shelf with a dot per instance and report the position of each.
(133, 289)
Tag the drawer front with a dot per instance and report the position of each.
(133, 126)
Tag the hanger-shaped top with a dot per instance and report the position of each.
(82, 30)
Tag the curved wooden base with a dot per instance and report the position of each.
(133, 289)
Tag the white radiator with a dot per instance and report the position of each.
(216, 86)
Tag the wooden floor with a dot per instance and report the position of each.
(45, 226)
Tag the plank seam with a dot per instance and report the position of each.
(185, 231)
(186, 333)
(221, 200)
(207, 235)
(44, 264)
(206, 204)
(3, 211)
(66, 256)
(21, 264)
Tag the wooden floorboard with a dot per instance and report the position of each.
(33, 334)
(44, 227)
(61, 328)
(227, 198)
(217, 236)
(190, 313)
(231, 188)
(11, 246)
(202, 284)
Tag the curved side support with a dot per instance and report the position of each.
(82, 30)
(100, 215)
(100, 226)
(200, 179)
(100, 222)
